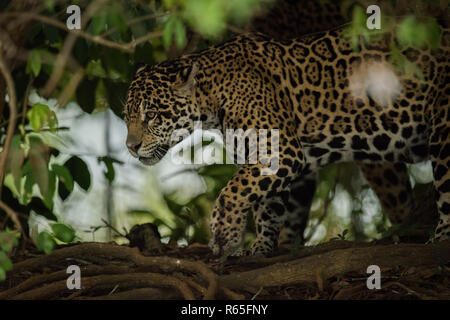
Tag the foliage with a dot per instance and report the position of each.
(8, 240)
(96, 74)
(94, 69)
(409, 31)
(61, 233)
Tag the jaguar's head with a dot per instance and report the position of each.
(160, 100)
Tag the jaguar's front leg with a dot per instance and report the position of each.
(247, 188)
(269, 216)
(228, 221)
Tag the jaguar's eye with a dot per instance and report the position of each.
(150, 115)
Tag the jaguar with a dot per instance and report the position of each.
(328, 102)
(390, 181)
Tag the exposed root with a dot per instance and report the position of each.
(134, 279)
(114, 252)
(335, 270)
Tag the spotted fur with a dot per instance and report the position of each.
(300, 87)
(390, 181)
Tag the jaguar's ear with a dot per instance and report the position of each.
(139, 67)
(185, 83)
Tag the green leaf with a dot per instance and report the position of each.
(116, 92)
(45, 242)
(2, 274)
(38, 206)
(16, 158)
(434, 33)
(49, 4)
(359, 17)
(110, 172)
(48, 198)
(406, 30)
(28, 188)
(101, 102)
(141, 53)
(51, 35)
(38, 156)
(5, 262)
(63, 232)
(98, 23)
(65, 183)
(95, 69)
(217, 171)
(169, 3)
(421, 34)
(8, 240)
(116, 64)
(207, 16)
(168, 32)
(116, 19)
(34, 62)
(63, 191)
(63, 175)
(79, 171)
(40, 115)
(85, 94)
(180, 33)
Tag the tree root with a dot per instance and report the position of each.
(118, 272)
(159, 264)
(138, 294)
(135, 280)
(40, 279)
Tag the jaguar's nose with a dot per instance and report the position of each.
(133, 145)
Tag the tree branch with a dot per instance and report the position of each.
(63, 56)
(12, 215)
(12, 114)
(127, 47)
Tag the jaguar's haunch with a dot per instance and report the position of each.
(328, 102)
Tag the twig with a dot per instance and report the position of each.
(71, 87)
(12, 215)
(407, 289)
(112, 228)
(113, 290)
(25, 99)
(257, 293)
(12, 117)
(9, 135)
(137, 20)
(127, 47)
(63, 56)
